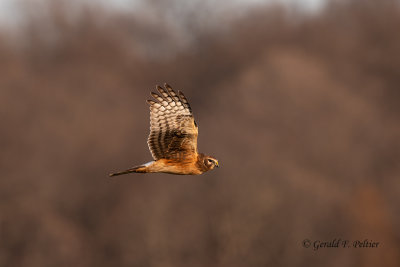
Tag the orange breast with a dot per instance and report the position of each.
(187, 167)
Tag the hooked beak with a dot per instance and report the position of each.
(216, 164)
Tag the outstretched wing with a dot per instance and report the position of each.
(173, 130)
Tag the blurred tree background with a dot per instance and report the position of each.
(301, 109)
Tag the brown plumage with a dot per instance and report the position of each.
(173, 137)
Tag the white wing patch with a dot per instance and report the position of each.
(148, 163)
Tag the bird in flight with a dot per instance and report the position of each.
(173, 137)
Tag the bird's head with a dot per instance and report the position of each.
(210, 162)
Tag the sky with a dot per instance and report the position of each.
(309, 4)
(8, 8)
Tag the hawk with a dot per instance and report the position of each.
(173, 137)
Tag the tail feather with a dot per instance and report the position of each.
(137, 169)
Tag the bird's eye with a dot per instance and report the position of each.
(210, 160)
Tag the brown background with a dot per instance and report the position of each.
(302, 111)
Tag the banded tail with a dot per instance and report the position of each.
(137, 169)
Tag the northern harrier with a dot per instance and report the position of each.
(173, 137)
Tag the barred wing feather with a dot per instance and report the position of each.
(173, 130)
